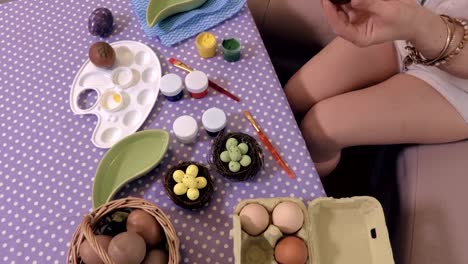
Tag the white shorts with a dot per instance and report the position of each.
(454, 89)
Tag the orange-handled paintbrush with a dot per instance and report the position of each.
(269, 146)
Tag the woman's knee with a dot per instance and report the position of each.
(321, 131)
(293, 90)
(301, 91)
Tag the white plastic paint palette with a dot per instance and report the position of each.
(125, 94)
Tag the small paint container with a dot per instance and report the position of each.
(185, 129)
(197, 84)
(214, 121)
(231, 49)
(171, 87)
(206, 45)
(111, 101)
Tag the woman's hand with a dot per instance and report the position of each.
(368, 22)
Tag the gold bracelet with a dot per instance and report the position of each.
(415, 57)
(460, 46)
(449, 22)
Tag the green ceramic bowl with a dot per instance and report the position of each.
(127, 160)
(160, 9)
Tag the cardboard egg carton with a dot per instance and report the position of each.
(336, 231)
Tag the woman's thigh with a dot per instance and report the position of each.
(339, 68)
(403, 109)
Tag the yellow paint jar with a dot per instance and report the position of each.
(206, 45)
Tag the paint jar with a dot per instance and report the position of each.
(171, 87)
(214, 121)
(185, 129)
(231, 49)
(197, 84)
(111, 101)
(206, 45)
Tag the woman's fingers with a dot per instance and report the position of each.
(353, 16)
(340, 21)
(373, 6)
(335, 15)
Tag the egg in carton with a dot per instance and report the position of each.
(335, 231)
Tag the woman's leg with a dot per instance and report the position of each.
(340, 67)
(403, 109)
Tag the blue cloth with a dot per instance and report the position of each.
(188, 24)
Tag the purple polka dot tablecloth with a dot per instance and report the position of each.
(47, 160)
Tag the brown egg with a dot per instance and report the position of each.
(146, 226)
(87, 253)
(127, 248)
(291, 250)
(102, 55)
(156, 256)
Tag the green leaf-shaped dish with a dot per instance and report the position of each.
(160, 9)
(127, 160)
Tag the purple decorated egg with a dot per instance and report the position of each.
(101, 22)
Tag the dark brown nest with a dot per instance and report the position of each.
(245, 173)
(182, 200)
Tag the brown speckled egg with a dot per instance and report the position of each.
(146, 226)
(291, 250)
(156, 256)
(102, 55)
(87, 253)
(127, 248)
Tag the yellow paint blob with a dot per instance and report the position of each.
(117, 98)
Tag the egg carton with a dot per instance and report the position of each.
(336, 231)
(134, 79)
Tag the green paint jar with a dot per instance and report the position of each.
(231, 49)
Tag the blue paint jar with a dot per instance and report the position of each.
(214, 121)
(171, 87)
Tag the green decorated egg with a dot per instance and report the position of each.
(234, 166)
(231, 142)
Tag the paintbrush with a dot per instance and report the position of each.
(212, 84)
(269, 146)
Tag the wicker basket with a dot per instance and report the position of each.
(89, 224)
(182, 200)
(255, 153)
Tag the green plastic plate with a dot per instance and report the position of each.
(160, 9)
(127, 160)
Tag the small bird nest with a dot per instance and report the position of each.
(245, 173)
(182, 200)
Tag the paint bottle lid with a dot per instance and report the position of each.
(196, 82)
(185, 129)
(214, 120)
(171, 84)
